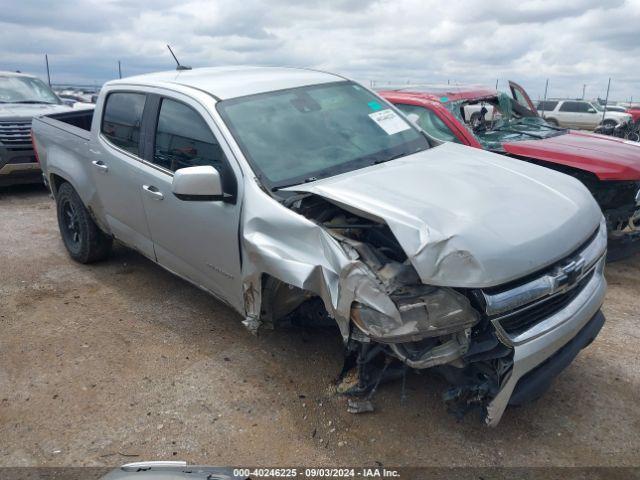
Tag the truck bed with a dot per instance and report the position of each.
(62, 142)
(79, 120)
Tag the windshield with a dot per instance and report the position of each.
(25, 90)
(303, 134)
(504, 121)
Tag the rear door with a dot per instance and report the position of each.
(196, 239)
(570, 114)
(520, 95)
(115, 156)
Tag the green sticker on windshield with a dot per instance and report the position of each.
(375, 106)
(444, 99)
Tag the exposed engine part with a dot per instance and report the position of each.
(433, 326)
(446, 352)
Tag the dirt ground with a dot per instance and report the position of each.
(121, 361)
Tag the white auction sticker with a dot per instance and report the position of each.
(389, 121)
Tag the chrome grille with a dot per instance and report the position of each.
(514, 309)
(15, 133)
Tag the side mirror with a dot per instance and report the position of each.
(197, 184)
(592, 110)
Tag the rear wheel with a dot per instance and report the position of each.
(552, 121)
(82, 238)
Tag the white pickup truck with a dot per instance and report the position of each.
(292, 193)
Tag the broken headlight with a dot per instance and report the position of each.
(421, 312)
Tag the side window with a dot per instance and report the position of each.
(183, 139)
(570, 107)
(547, 106)
(429, 122)
(122, 119)
(585, 107)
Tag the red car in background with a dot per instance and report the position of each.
(635, 114)
(485, 118)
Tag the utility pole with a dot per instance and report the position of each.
(606, 100)
(119, 70)
(46, 61)
(544, 105)
(584, 86)
(497, 83)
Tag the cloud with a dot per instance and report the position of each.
(572, 43)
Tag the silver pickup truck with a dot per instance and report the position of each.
(296, 194)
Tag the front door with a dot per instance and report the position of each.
(115, 161)
(198, 240)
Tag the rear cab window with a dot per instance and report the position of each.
(122, 120)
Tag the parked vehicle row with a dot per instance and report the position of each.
(297, 194)
(580, 114)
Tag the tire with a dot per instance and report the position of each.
(84, 241)
(610, 123)
(634, 136)
(552, 121)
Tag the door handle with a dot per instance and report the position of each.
(153, 192)
(100, 165)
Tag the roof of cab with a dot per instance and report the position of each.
(231, 82)
(14, 74)
(450, 92)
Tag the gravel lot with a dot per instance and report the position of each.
(122, 361)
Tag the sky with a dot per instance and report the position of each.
(571, 42)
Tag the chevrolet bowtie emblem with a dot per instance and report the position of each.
(569, 274)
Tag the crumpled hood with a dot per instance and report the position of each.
(466, 217)
(610, 158)
(26, 111)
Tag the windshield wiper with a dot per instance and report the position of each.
(287, 185)
(395, 157)
(34, 102)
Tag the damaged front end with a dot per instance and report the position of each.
(331, 263)
(620, 204)
(397, 323)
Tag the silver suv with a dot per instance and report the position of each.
(579, 114)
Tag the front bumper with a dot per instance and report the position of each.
(557, 331)
(18, 165)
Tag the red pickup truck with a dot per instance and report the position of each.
(485, 118)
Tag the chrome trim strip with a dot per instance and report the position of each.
(154, 464)
(551, 322)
